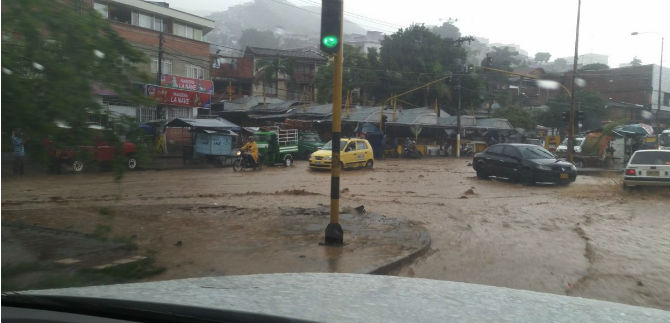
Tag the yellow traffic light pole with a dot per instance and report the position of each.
(334, 232)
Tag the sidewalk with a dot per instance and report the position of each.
(596, 171)
(181, 241)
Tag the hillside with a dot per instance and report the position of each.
(283, 18)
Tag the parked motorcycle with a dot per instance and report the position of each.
(242, 162)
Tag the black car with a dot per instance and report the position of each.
(524, 163)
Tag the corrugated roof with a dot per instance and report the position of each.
(246, 103)
(306, 53)
(494, 123)
(424, 117)
(218, 123)
(279, 107)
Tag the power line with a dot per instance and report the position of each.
(361, 17)
(319, 14)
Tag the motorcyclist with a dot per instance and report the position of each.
(250, 150)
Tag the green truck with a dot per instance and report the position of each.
(278, 147)
(308, 142)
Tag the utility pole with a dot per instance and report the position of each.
(571, 125)
(159, 108)
(160, 58)
(230, 91)
(660, 76)
(458, 121)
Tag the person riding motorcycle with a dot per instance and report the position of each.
(250, 150)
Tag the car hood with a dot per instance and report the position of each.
(322, 153)
(323, 297)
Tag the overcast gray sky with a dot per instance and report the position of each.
(535, 25)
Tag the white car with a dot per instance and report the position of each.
(648, 167)
(563, 147)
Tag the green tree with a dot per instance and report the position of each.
(594, 67)
(268, 69)
(636, 62)
(542, 57)
(448, 30)
(358, 73)
(517, 116)
(592, 103)
(53, 54)
(408, 58)
(254, 38)
(414, 56)
(504, 58)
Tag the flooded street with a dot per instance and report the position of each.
(590, 239)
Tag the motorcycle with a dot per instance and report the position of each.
(241, 162)
(409, 150)
(466, 150)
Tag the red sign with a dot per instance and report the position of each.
(187, 83)
(178, 97)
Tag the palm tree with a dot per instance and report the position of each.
(268, 70)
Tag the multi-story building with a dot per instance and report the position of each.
(176, 39)
(372, 39)
(631, 88)
(284, 74)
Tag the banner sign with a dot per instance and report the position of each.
(169, 96)
(187, 83)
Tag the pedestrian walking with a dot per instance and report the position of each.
(19, 151)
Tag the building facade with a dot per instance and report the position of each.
(176, 39)
(372, 39)
(284, 74)
(632, 87)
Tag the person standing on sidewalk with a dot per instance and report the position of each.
(19, 151)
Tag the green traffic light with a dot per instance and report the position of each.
(329, 41)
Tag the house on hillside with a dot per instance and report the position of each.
(371, 39)
(281, 73)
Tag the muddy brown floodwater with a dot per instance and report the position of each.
(590, 239)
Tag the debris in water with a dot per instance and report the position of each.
(178, 244)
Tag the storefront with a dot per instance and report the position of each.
(178, 97)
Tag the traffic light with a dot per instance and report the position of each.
(565, 115)
(331, 26)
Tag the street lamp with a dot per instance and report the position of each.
(660, 70)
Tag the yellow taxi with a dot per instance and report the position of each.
(354, 153)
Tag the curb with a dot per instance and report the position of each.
(598, 171)
(400, 261)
